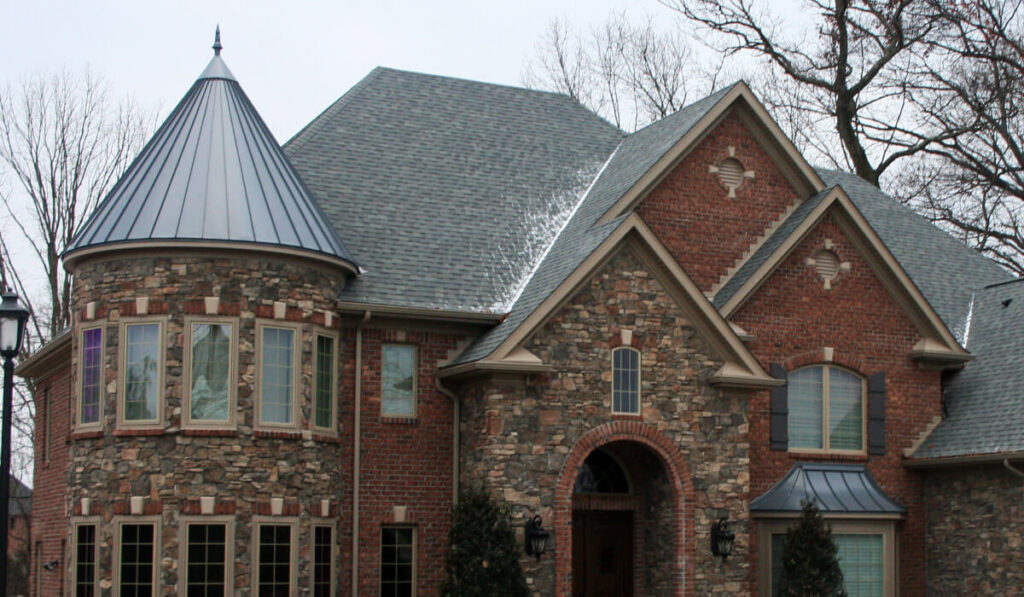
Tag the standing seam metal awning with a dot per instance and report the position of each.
(834, 488)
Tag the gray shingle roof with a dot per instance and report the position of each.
(20, 503)
(834, 488)
(448, 191)
(212, 172)
(985, 401)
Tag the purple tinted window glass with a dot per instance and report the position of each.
(92, 348)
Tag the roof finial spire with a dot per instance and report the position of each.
(216, 42)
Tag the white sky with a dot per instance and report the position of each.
(292, 58)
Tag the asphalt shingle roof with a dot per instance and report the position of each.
(985, 401)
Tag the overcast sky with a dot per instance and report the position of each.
(292, 58)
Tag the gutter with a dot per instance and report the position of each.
(1016, 471)
(473, 317)
(356, 448)
(997, 458)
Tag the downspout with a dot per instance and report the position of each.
(1016, 471)
(357, 431)
(456, 410)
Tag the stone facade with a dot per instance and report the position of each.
(525, 441)
(975, 534)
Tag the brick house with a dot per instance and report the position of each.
(285, 361)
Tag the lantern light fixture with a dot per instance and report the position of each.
(722, 539)
(536, 537)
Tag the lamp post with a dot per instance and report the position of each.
(12, 330)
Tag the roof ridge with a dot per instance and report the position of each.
(307, 132)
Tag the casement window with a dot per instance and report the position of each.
(625, 381)
(278, 357)
(136, 542)
(84, 581)
(866, 556)
(398, 562)
(326, 378)
(207, 556)
(142, 365)
(90, 375)
(210, 378)
(398, 380)
(323, 560)
(825, 408)
(274, 571)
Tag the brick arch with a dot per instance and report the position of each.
(672, 460)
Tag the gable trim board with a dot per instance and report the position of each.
(793, 166)
(741, 369)
(938, 345)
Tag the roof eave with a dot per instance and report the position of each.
(43, 360)
(944, 461)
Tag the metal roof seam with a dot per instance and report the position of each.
(208, 88)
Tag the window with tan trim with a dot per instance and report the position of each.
(90, 377)
(323, 549)
(277, 362)
(625, 381)
(211, 378)
(274, 569)
(141, 398)
(398, 380)
(398, 561)
(867, 555)
(826, 410)
(325, 381)
(207, 555)
(136, 546)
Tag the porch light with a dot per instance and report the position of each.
(12, 325)
(536, 537)
(722, 539)
(12, 330)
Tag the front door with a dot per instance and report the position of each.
(602, 554)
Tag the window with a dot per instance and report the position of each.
(398, 380)
(142, 373)
(866, 556)
(326, 388)
(84, 567)
(826, 409)
(601, 473)
(625, 381)
(274, 574)
(210, 372)
(46, 424)
(278, 357)
(323, 560)
(90, 376)
(135, 556)
(206, 554)
(397, 562)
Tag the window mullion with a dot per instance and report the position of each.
(826, 441)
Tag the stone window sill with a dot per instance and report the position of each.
(400, 420)
(92, 434)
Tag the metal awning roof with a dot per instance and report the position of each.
(844, 489)
(212, 174)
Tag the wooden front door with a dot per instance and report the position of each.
(602, 554)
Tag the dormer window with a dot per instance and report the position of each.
(625, 381)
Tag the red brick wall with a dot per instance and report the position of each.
(49, 479)
(793, 318)
(704, 229)
(405, 462)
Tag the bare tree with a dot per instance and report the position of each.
(630, 73)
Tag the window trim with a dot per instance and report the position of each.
(296, 329)
(186, 386)
(415, 381)
(229, 550)
(335, 337)
(158, 422)
(840, 526)
(333, 525)
(117, 524)
(825, 404)
(47, 418)
(78, 521)
(293, 523)
(639, 373)
(80, 370)
(415, 555)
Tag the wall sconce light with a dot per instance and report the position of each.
(51, 565)
(536, 537)
(722, 539)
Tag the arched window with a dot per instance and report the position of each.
(600, 473)
(625, 381)
(826, 409)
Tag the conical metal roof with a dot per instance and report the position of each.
(212, 176)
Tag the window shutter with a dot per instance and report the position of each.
(779, 410)
(876, 414)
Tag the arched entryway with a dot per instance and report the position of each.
(622, 518)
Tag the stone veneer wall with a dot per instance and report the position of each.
(975, 533)
(172, 468)
(521, 438)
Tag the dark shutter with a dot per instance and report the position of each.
(876, 414)
(779, 410)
